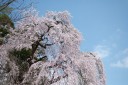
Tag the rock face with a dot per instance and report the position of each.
(89, 71)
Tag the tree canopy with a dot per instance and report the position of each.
(54, 39)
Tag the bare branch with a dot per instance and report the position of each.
(6, 4)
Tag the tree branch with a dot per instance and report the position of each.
(6, 4)
(58, 79)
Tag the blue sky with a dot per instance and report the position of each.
(104, 26)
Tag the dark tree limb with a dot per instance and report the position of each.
(37, 43)
(58, 79)
(6, 4)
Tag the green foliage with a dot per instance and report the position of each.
(1, 41)
(5, 20)
(23, 67)
(20, 57)
(3, 32)
(22, 54)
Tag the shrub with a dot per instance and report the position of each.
(22, 54)
(20, 57)
(3, 32)
(5, 20)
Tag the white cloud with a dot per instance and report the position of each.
(102, 51)
(123, 63)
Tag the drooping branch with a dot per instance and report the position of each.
(58, 65)
(58, 79)
(6, 4)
